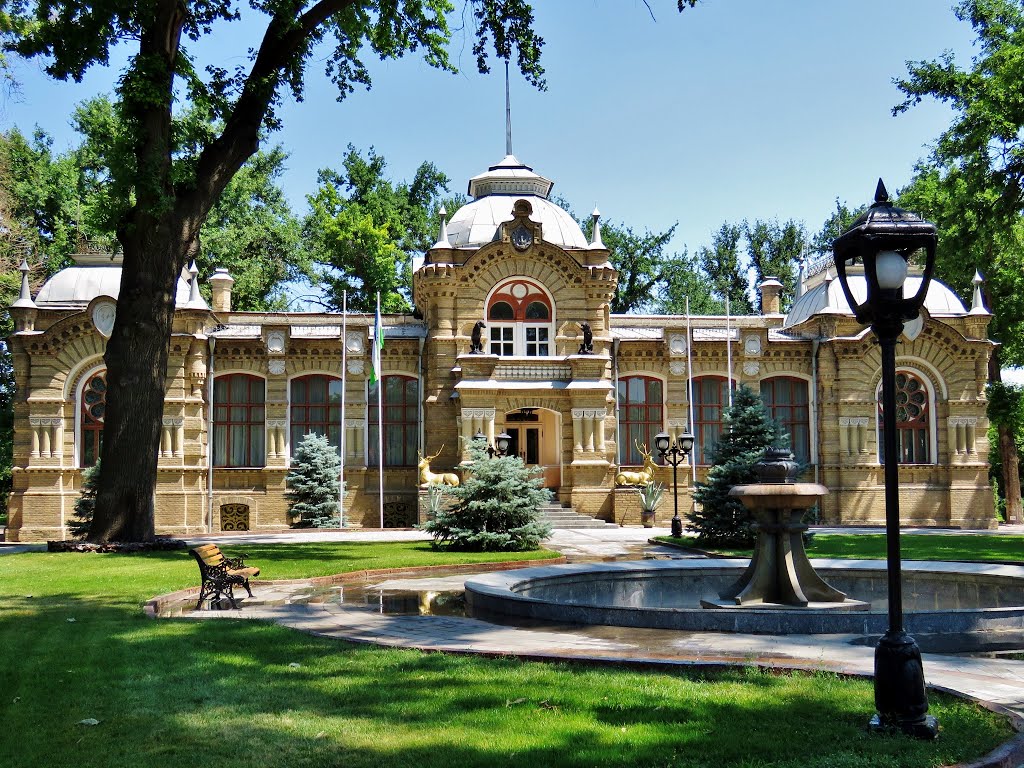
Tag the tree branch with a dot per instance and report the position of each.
(284, 39)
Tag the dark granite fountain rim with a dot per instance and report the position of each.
(496, 593)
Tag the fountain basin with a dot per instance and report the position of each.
(955, 601)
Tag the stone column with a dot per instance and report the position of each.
(577, 429)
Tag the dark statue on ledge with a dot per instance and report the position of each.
(476, 345)
(587, 347)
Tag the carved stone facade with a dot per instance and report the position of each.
(533, 281)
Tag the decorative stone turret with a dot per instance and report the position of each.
(221, 283)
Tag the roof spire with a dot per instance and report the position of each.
(25, 299)
(195, 299)
(978, 301)
(595, 239)
(508, 115)
(442, 235)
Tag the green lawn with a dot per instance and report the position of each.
(180, 693)
(871, 546)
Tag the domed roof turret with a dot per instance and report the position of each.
(94, 274)
(827, 298)
(496, 191)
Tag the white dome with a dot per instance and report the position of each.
(496, 191)
(77, 286)
(828, 298)
(476, 223)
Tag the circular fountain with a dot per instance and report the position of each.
(948, 606)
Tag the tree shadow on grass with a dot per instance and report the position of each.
(174, 693)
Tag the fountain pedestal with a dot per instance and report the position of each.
(779, 574)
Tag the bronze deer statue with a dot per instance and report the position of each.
(434, 478)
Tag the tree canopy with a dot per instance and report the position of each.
(364, 229)
(174, 189)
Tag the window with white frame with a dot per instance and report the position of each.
(520, 320)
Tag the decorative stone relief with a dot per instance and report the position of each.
(275, 342)
(677, 344)
(588, 428)
(103, 314)
(276, 443)
(751, 367)
(172, 437)
(47, 436)
(276, 367)
(354, 343)
(963, 434)
(355, 366)
(752, 345)
(853, 435)
(677, 367)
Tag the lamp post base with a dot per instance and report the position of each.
(677, 527)
(900, 696)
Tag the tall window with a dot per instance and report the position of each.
(93, 407)
(640, 416)
(913, 435)
(710, 397)
(238, 421)
(316, 407)
(519, 319)
(787, 402)
(401, 425)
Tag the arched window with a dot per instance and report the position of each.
(640, 416)
(315, 407)
(913, 417)
(239, 430)
(93, 409)
(710, 397)
(401, 421)
(519, 315)
(787, 401)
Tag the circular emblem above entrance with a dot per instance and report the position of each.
(522, 238)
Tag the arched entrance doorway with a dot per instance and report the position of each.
(535, 437)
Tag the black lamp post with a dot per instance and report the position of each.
(675, 453)
(501, 443)
(883, 239)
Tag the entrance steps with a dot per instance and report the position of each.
(565, 517)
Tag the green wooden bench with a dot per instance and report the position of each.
(220, 575)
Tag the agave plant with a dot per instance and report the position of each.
(435, 499)
(650, 495)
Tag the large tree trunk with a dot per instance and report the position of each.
(136, 359)
(1008, 454)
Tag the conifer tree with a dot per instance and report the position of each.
(496, 509)
(85, 503)
(313, 484)
(747, 431)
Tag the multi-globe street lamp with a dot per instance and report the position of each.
(884, 239)
(501, 443)
(674, 452)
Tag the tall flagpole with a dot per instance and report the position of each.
(689, 385)
(344, 392)
(728, 350)
(378, 341)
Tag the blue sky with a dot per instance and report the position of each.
(737, 109)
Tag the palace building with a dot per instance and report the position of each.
(516, 336)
